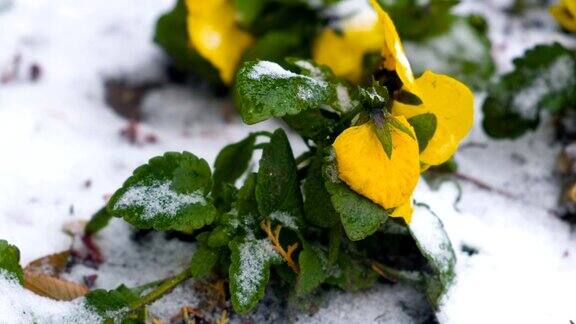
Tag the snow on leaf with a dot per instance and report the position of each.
(428, 232)
(10, 261)
(543, 78)
(157, 198)
(265, 90)
(286, 219)
(250, 271)
(168, 193)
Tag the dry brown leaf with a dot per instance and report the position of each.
(55, 288)
(51, 265)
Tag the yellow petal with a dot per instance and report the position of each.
(453, 105)
(393, 52)
(565, 14)
(365, 167)
(344, 53)
(404, 211)
(214, 34)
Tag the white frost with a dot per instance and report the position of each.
(157, 198)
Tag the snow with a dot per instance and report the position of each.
(57, 134)
(156, 198)
(18, 305)
(343, 96)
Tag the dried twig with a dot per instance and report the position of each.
(274, 237)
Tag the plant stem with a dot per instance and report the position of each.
(260, 146)
(262, 133)
(165, 287)
(98, 221)
(304, 157)
(149, 285)
(392, 274)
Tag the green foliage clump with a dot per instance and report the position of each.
(544, 79)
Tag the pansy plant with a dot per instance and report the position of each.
(340, 214)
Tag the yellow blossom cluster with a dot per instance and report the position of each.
(362, 162)
(565, 13)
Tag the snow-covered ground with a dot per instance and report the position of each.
(62, 154)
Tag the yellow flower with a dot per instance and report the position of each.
(365, 167)
(361, 35)
(404, 211)
(393, 52)
(344, 53)
(362, 162)
(452, 103)
(213, 32)
(565, 13)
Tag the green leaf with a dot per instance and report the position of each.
(347, 97)
(219, 237)
(10, 261)
(250, 271)
(168, 193)
(424, 126)
(334, 242)
(246, 203)
(544, 78)
(312, 264)
(203, 260)
(275, 45)
(230, 164)
(360, 217)
(463, 52)
(384, 134)
(420, 19)
(318, 208)
(172, 35)
(98, 221)
(408, 98)
(375, 96)
(316, 125)
(248, 10)
(353, 275)
(398, 125)
(265, 89)
(428, 232)
(277, 185)
(110, 303)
